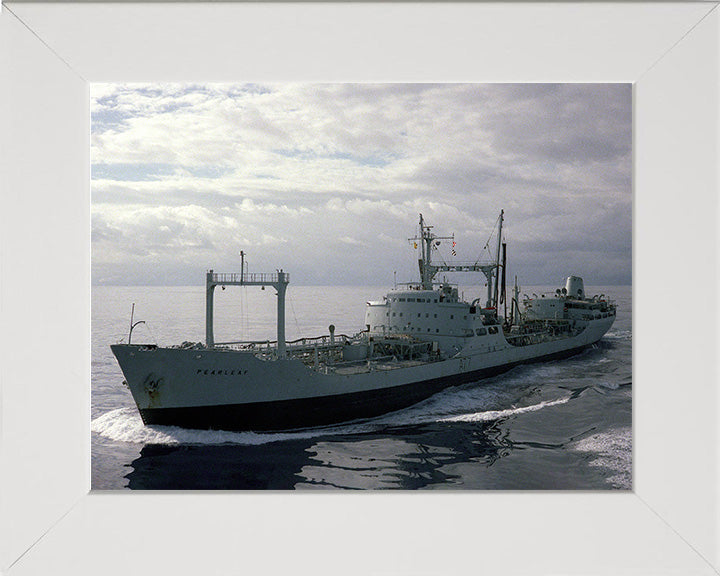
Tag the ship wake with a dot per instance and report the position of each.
(464, 404)
(491, 415)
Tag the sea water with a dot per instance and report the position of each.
(561, 425)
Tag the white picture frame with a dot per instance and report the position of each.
(51, 523)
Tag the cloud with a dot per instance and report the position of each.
(327, 180)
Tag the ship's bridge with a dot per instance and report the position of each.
(425, 314)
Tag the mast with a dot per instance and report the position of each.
(515, 305)
(428, 270)
(503, 290)
(426, 239)
(497, 261)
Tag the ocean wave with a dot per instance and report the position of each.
(608, 385)
(611, 450)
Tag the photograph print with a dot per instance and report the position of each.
(361, 286)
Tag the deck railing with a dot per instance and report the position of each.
(325, 341)
(254, 277)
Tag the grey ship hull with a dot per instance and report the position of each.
(321, 410)
(231, 390)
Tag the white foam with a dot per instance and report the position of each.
(497, 414)
(619, 335)
(125, 425)
(612, 450)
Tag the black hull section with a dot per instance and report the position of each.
(321, 410)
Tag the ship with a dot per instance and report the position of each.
(419, 339)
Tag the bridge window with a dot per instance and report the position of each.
(480, 331)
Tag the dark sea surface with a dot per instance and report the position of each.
(562, 425)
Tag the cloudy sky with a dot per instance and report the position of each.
(326, 180)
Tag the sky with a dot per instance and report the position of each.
(326, 181)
